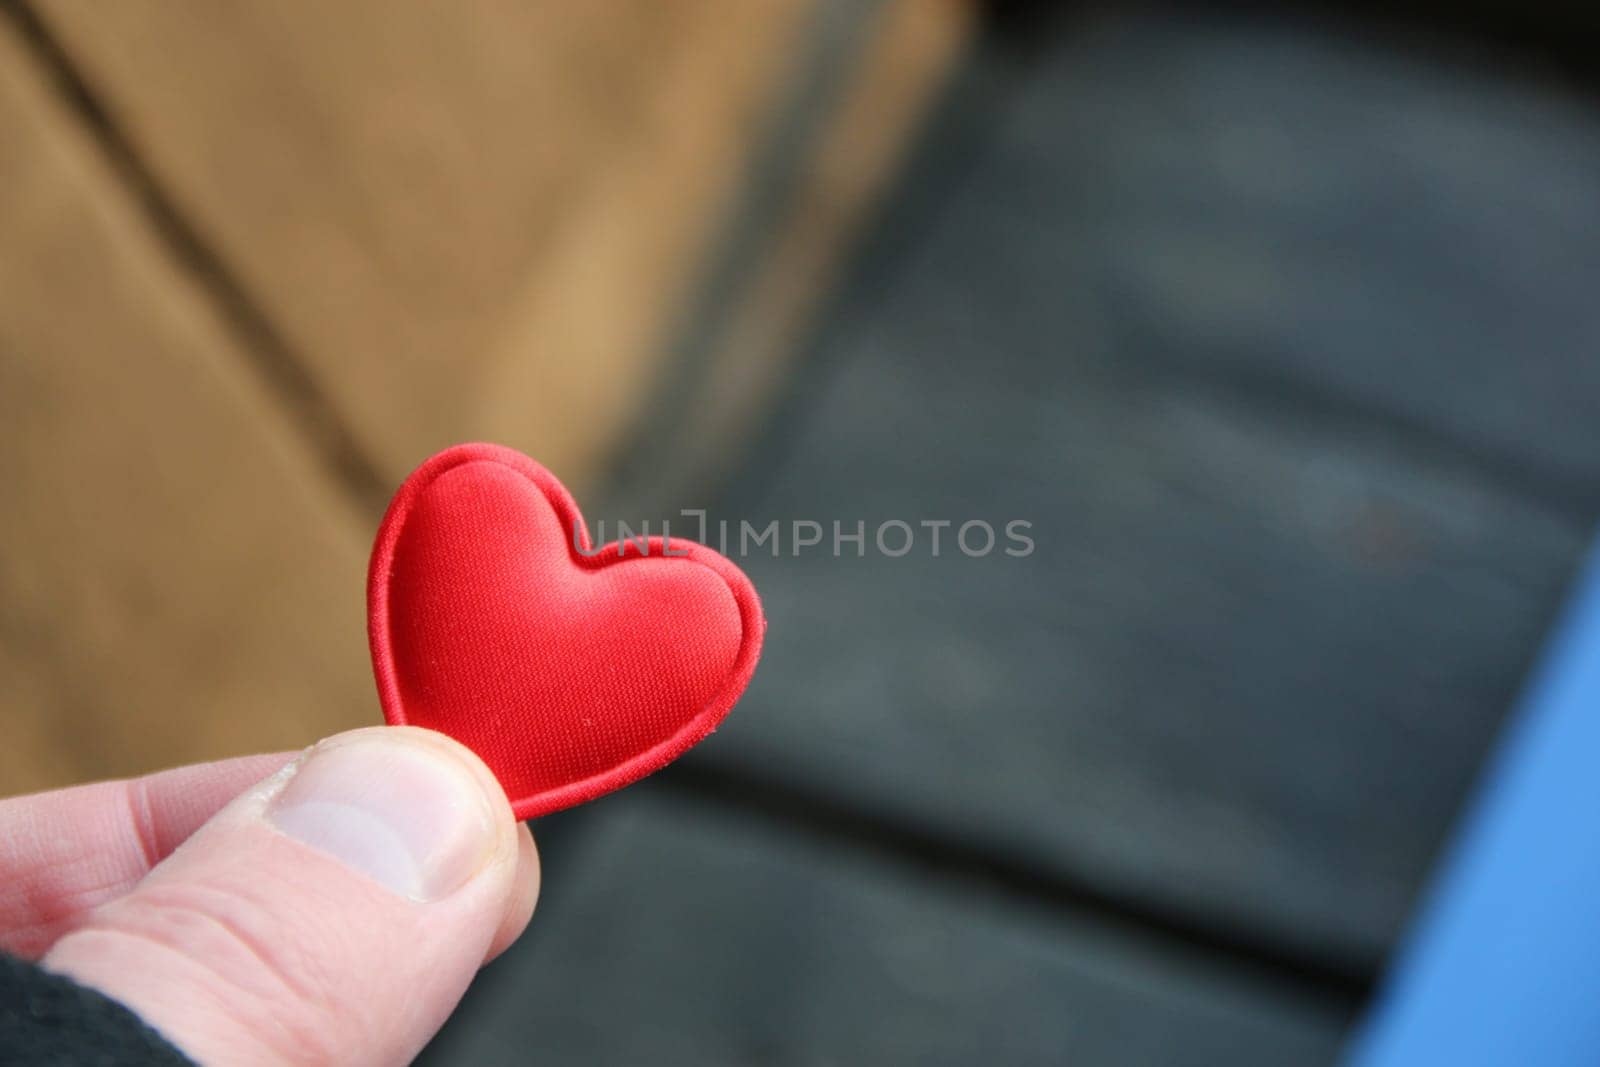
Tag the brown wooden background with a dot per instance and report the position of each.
(258, 259)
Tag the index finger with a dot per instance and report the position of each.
(65, 852)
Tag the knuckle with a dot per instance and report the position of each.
(255, 970)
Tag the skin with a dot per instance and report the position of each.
(225, 906)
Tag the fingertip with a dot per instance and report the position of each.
(524, 895)
(413, 809)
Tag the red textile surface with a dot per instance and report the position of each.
(570, 675)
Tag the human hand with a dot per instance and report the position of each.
(266, 910)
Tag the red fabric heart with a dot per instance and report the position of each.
(570, 674)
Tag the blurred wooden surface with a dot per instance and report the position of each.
(261, 258)
(465, 219)
(782, 250)
(179, 579)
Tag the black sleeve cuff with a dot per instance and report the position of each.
(55, 1022)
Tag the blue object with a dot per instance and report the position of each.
(1503, 964)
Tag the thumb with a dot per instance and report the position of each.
(334, 913)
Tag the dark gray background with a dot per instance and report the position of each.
(1282, 336)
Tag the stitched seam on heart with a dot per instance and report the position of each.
(751, 622)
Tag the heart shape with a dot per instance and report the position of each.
(570, 670)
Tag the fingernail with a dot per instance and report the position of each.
(406, 813)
